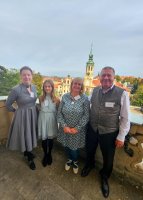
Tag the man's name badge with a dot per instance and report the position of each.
(109, 104)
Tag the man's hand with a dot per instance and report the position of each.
(119, 143)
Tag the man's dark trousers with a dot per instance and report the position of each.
(107, 146)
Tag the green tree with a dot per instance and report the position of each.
(8, 79)
(137, 98)
(87, 92)
(11, 77)
(134, 88)
(37, 80)
(2, 71)
(131, 80)
(118, 78)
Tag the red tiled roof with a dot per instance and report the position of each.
(96, 82)
(56, 85)
(122, 86)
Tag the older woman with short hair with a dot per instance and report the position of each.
(73, 116)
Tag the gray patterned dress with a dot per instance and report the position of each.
(75, 114)
(22, 133)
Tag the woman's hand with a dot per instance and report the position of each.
(74, 130)
(70, 130)
(67, 129)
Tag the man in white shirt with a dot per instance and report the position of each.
(108, 126)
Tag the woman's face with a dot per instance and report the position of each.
(76, 86)
(26, 76)
(48, 88)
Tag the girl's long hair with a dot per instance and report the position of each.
(53, 97)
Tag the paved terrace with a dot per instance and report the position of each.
(18, 182)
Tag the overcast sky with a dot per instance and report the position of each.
(54, 37)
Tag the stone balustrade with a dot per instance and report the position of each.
(5, 120)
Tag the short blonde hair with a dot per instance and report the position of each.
(78, 80)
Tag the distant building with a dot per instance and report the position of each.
(88, 78)
(90, 82)
(62, 85)
(66, 82)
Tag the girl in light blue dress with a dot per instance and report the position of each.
(47, 123)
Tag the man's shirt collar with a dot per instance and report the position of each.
(107, 90)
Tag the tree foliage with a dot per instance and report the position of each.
(137, 98)
(8, 79)
(134, 88)
(131, 80)
(11, 77)
(118, 78)
(37, 80)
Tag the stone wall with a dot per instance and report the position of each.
(129, 168)
(5, 120)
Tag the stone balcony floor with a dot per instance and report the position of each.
(18, 182)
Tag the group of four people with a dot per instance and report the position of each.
(76, 121)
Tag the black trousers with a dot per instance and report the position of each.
(107, 146)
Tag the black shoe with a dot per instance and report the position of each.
(45, 160)
(49, 159)
(85, 171)
(129, 151)
(32, 164)
(105, 188)
(29, 154)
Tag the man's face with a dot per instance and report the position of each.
(107, 78)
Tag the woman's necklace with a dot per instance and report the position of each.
(74, 98)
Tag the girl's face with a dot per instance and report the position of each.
(48, 88)
(26, 77)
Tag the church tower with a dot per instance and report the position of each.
(88, 78)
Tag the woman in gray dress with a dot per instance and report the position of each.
(22, 133)
(73, 116)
